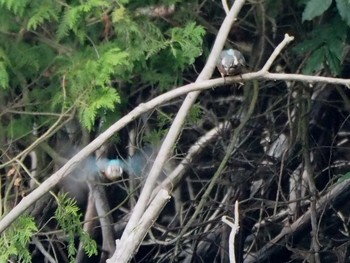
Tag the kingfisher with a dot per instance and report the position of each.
(111, 169)
(231, 62)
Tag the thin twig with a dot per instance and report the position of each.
(234, 230)
(287, 39)
(172, 179)
(43, 251)
(225, 6)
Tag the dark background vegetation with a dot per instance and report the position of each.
(79, 66)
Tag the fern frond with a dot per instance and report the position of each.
(68, 217)
(15, 240)
(69, 20)
(186, 43)
(109, 63)
(17, 7)
(74, 14)
(42, 14)
(100, 98)
(90, 4)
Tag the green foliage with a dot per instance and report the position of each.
(137, 34)
(74, 17)
(103, 98)
(343, 7)
(4, 78)
(60, 55)
(155, 136)
(325, 44)
(68, 217)
(15, 240)
(185, 43)
(179, 51)
(343, 177)
(19, 127)
(159, 57)
(195, 114)
(17, 7)
(89, 81)
(45, 11)
(82, 70)
(315, 8)
(164, 120)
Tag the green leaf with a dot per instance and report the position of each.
(90, 246)
(4, 77)
(163, 79)
(333, 62)
(315, 61)
(344, 10)
(315, 8)
(344, 177)
(326, 45)
(336, 47)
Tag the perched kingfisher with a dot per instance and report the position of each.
(230, 62)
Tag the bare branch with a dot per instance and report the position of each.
(178, 122)
(287, 39)
(225, 6)
(135, 237)
(172, 179)
(234, 230)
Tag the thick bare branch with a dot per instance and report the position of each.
(176, 127)
(138, 234)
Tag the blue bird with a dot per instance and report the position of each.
(111, 169)
(136, 166)
(230, 62)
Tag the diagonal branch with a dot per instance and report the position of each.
(175, 129)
